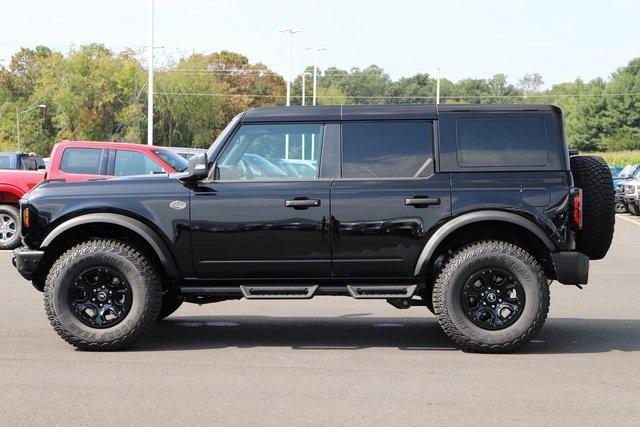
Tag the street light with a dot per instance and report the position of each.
(315, 69)
(291, 33)
(18, 111)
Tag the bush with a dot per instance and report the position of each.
(619, 158)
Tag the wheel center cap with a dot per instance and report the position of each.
(102, 295)
(491, 297)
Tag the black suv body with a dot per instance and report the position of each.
(469, 210)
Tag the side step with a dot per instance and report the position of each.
(278, 292)
(381, 291)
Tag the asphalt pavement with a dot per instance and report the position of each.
(333, 360)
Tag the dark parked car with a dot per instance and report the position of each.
(468, 210)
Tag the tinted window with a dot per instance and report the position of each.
(501, 142)
(28, 163)
(387, 150)
(134, 163)
(5, 162)
(81, 160)
(272, 151)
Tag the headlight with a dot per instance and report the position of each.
(619, 188)
(629, 189)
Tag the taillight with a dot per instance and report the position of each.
(576, 203)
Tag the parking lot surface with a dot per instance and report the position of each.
(333, 361)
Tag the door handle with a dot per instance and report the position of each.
(301, 203)
(422, 201)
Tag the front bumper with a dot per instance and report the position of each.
(26, 261)
(572, 268)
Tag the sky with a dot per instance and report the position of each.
(560, 39)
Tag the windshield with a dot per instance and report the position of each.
(179, 163)
(628, 171)
(223, 134)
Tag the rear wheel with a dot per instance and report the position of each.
(491, 297)
(592, 174)
(633, 208)
(9, 227)
(102, 295)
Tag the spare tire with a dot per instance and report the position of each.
(592, 175)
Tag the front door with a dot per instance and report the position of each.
(266, 213)
(388, 199)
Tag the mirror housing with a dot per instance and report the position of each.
(197, 169)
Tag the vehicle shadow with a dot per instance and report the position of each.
(559, 335)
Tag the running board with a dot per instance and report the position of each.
(381, 291)
(278, 292)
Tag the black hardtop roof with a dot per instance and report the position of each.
(377, 112)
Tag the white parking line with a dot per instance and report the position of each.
(629, 219)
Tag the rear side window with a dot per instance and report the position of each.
(505, 141)
(387, 149)
(5, 162)
(134, 163)
(81, 160)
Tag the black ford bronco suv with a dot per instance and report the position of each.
(469, 210)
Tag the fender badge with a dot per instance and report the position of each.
(177, 205)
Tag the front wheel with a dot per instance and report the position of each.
(491, 297)
(102, 295)
(621, 207)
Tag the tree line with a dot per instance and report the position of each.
(93, 93)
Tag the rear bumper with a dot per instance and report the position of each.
(26, 261)
(572, 268)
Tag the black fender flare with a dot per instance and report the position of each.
(136, 226)
(477, 216)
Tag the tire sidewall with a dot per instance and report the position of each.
(528, 278)
(14, 242)
(62, 284)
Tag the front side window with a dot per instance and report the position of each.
(387, 149)
(134, 163)
(272, 152)
(81, 160)
(505, 141)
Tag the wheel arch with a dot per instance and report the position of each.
(474, 221)
(145, 233)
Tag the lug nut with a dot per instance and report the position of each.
(499, 299)
(484, 303)
(93, 299)
(109, 301)
(493, 306)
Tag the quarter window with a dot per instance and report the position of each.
(81, 160)
(505, 141)
(272, 152)
(387, 150)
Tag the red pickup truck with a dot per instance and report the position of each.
(79, 161)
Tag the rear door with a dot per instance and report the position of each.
(387, 199)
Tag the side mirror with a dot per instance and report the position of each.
(197, 168)
(42, 167)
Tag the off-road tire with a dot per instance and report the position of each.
(133, 265)
(592, 174)
(13, 213)
(447, 297)
(171, 301)
(633, 209)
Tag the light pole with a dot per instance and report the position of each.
(18, 111)
(315, 70)
(291, 33)
(150, 78)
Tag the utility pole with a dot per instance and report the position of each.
(18, 111)
(304, 94)
(315, 70)
(150, 78)
(291, 33)
(437, 85)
